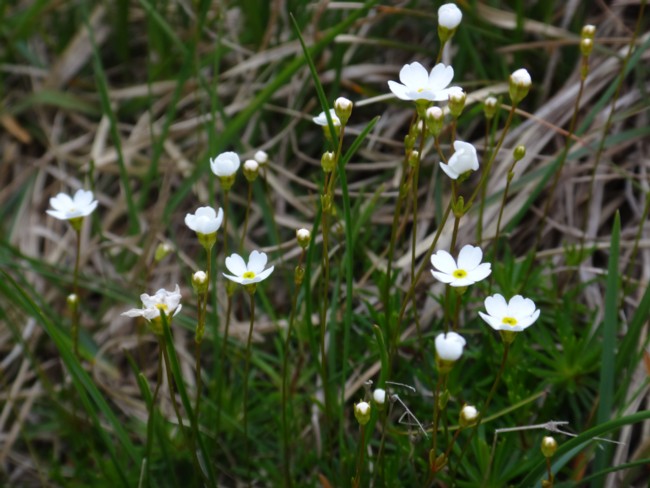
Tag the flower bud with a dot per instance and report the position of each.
(200, 282)
(251, 169)
(261, 157)
(414, 158)
(162, 250)
(434, 118)
(73, 302)
(409, 143)
(343, 109)
(327, 161)
(457, 103)
(519, 153)
(520, 83)
(299, 275)
(490, 107)
(362, 412)
(449, 348)
(468, 416)
(588, 31)
(449, 17)
(549, 446)
(586, 46)
(379, 396)
(303, 236)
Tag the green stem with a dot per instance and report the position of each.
(222, 365)
(249, 343)
(360, 456)
(248, 208)
(225, 222)
(151, 418)
(75, 291)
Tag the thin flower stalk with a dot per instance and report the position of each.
(222, 362)
(249, 200)
(75, 292)
(247, 365)
(356, 482)
(151, 413)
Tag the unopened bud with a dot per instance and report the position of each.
(251, 169)
(200, 282)
(586, 46)
(588, 31)
(457, 103)
(409, 143)
(299, 275)
(435, 119)
(449, 17)
(468, 416)
(261, 157)
(379, 396)
(327, 161)
(520, 83)
(549, 446)
(414, 158)
(303, 236)
(490, 107)
(519, 153)
(343, 109)
(162, 250)
(73, 301)
(362, 412)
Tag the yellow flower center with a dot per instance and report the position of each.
(248, 275)
(511, 321)
(420, 90)
(161, 306)
(459, 273)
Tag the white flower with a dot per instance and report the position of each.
(418, 85)
(245, 274)
(449, 16)
(225, 164)
(463, 160)
(205, 220)
(66, 208)
(466, 272)
(261, 157)
(513, 316)
(167, 301)
(450, 346)
(322, 119)
(521, 78)
(379, 395)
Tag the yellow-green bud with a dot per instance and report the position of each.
(343, 109)
(362, 412)
(468, 416)
(73, 302)
(588, 31)
(457, 103)
(449, 17)
(200, 282)
(586, 46)
(251, 169)
(519, 153)
(303, 236)
(414, 158)
(443, 399)
(549, 446)
(490, 107)
(299, 275)
(409, 143)
(328, 162)
(162, 250)
(520, 83)
(261, 157)
(434, 118)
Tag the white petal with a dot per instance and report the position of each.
(83, 198)
(449, 171)
(57, 214)
(190, 221)
(443, 95)
(265, 274)
(520, 306)
(479, 273)
(256, 262)
(414, 75)
(526, 322)
(492, 322)
(496, 306)
(445, 278)
(399, 90)
(467, 281)
(443, 261)
(236, 264)
(440, 77)
(236, 279)
(61, 202)
(134, 312)
(208, 212)
(469, 257)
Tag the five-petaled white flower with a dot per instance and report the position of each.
(467, 271)
(449, 16)
(225, 164)
(245, 274)
(417, 84)
(205, 220)
(513, 316)
(167, 301)
(449, 346)
(66, 208)
(463, 160)
(322, 119)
